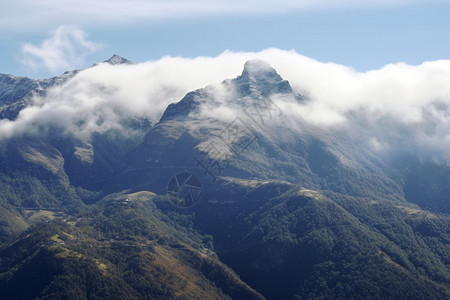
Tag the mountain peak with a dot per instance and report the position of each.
(258, 80)
(258, 67)
(118, 60)
(259, 76)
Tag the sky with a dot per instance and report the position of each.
(44, 38)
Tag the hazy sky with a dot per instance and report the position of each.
(43, 38)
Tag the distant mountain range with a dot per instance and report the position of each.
(221, 198)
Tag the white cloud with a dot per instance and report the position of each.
(394, 106)
(97, 98)
(66, 48)
(26, 15)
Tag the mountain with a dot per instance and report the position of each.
(117, 60)
(123, 252)
(255, 144)
(16, 93)
(221, 198)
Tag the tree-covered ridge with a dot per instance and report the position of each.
(140, 255)
(329, 245)
(281, 239)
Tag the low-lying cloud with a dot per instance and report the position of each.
(397, 104)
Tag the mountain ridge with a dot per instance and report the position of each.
(287, 212)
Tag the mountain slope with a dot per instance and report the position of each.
(138, 255)
(237, 129)
(286, 240)
(278, 208)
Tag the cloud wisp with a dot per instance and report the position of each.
(398, 104)
(39, 14)
(66, 48)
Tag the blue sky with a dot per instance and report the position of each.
(43, 38)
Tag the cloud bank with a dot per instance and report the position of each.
(23, 15)
(67, 47)
(398, 104)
